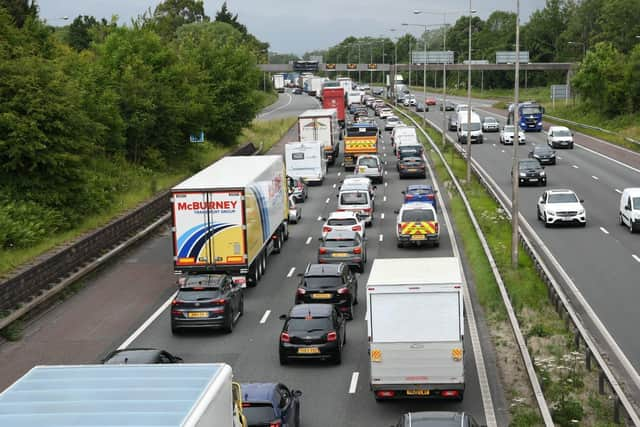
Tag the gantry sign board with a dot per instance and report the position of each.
(560, 92)
(316, 58)
(476, 61)
(432, 57)
(504, 57)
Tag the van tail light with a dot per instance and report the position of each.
(400, 228)
(332, 336)
(301, 291)
(357, 250)
(449, 393)
(385, 393)
(366, 210)
(326, 229)
(408, 197)
(430, 196)
(356, 228)
(322, 250)
(284, 337)
(343, 291)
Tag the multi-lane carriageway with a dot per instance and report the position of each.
(127, 301)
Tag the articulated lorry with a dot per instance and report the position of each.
(230, 216)
(321, 125)
(416, 328)
(359, 138)
(181, 395)
(333, 97)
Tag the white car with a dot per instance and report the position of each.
(507, 135)
(560, 136)
(409, 100)
(461, 107)
(391, 123)
(344, 221)
(369, 165)
(561, 206)
(385, 112)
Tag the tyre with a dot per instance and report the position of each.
(278, 244)
(621, 222)
(399, 244)
(361, 267)
(174, 329)
(252, 277)
(337, 358)
(283, 360)
(538, 214)
(583, 224)
(264, 263)
(436, 243)
(355, 296)
(546, 224)
(228, 327)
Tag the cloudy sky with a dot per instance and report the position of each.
(300, 26)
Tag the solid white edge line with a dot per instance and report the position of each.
(327, 201)
(279, 108)
(595, 177)
(575, 166)
(604, 230)
(290, 273)
(636, 257)
(309, 239)
(354, 382)
(382, 215)
(384, 198)
(265, 316)
(147, 322)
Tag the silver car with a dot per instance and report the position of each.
(343, 247)
(369, 165)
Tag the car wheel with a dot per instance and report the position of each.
(620, 219)
(355, 296)
(228, 327)
(571, 146)
(399, 244)
(538, 214)
(337, 359)
(361, 267)
(174, 329)
(436, 243)
(283, 359)
(583, 224)
(297, 417)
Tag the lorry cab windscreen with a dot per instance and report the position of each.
(417, 215)
(530, 110)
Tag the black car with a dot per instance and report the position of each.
(403, 151)
(449, 106)
(412, 167)
(331, 284)
(544, 154)
(437, 419)
(146, 356)
(297, 91)
(421, 107)
(206, 301)
(452, 122)
(530, 172)
(355, 106)
(312, 331)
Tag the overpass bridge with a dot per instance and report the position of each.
(531, 66)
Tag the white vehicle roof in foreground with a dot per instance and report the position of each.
(560, 190)
(230, 172)
(415, 271)
(110, 395)
(357, 180)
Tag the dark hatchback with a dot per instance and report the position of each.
(544, 154)
(420, 193)
(270, 405)
(412, 167)
(329, 284)
(530, 172)
(206, 301)
(343, 246)
(312, 331)
(146, 356)
(449, 106)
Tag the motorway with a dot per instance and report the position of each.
(603, 259)
(108, 310)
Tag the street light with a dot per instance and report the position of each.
(424, 83)
(515, 240)
(395, 69)
(471, 12)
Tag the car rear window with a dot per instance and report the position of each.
(342, 243)
(354, 198)
(197, 295)
(322, 282)
(417, 215)
(300, 324)
(342, 221)
(368, 162)
(258, 413)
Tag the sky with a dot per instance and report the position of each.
(294, 26)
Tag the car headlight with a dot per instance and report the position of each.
(539, 123)
(551, 212)
(536, 156)
(523, 174)
(580, 211)
(542, 173)
(553, 154)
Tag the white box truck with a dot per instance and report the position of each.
(230, 216)
(306, 160)
(182, 395)
(321, 125)
(278, 82)
(315, 86)
(416, 328)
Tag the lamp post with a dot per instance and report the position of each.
(395, 68)
(469, 144)
(515, 241)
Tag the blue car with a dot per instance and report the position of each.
(270, 404)
(420, 193)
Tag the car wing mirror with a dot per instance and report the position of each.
(541, 201)
(283, 317)
(403, 192)
(581, 200)
(299, 274)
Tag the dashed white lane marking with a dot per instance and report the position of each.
(290, 273)
(636, 257)
(386, 184)
(384, 198)
(595, 177)
(604, 230)
(493, 145)
(575, 166)
(339, 173)
(618, 191)
(327, 201)
(319, 218)
(502, 151)
(384, 154)
(354, 382)
(334, 185)
(265, 316)
(382, 216)
(309, 239)
(386, 173)
(381, 237)
(560, 158)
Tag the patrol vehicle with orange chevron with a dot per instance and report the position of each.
(359, 138)
(417, 224)
(230, 216)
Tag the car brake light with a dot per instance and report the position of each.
(436, 227)
(284, 337)
(430, 196)
(176, 302)
(400, 228)
(356, 228)
(343, 291)
(332, 336)
(301, 291)
(219, 301)
(326, 229)
(449, 393)
(322, 250)
(246, 405)
(385, 393)
(357, 250)
(275, 424)
(408, 196)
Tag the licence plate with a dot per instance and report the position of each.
(533, 179)
(321, 296)
(418, 237)
(412, 170)
(309, 350)
(339, 254)
(362, 169)
(198, 314)
(417, 392)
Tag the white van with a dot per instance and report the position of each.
(358, 201)
(475, 125)
(629, 211)
(306, 160)
(402, 130)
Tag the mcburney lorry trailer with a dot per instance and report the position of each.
(416, 328)
(181, 395)
(230, 216)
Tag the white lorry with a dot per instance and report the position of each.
(306, 160)
(230, 216)
(315, 86)
(346, 83)
(354, 97)
(278, 82)
(181, 395)
(415, 326)
(321, 125)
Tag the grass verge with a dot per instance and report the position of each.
(267, 132)
(570, 389)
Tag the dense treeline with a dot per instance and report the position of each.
(603, 35)
(88, 112)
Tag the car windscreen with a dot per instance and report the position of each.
(300, 324)
(529, 165)
(323, 282)
(339, 243)
(354, 198)
(258, 413)
(417, 215)
(490, 120)
(562, 198)
(392, 119)
(368, 162)
(635, 202)
(474, 126)
(342, 221)
(190, 295)
(530, 110)
(542, 150)
(561, 133)
(509, 129)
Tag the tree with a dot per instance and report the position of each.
(541, 35)
(169, 15)
(260, 49)
(20, 10)
(79, 36)
(620, 23)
